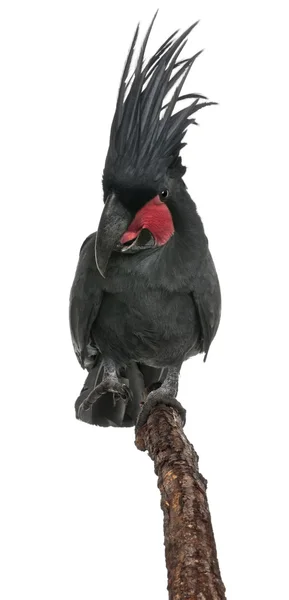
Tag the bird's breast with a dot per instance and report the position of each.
(146, 325)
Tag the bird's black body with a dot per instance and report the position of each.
(159, 302)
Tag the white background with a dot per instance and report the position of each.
(80, 505)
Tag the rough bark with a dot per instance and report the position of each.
(190, 549)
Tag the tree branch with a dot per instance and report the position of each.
(190, 549)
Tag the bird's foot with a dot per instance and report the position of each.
(155, 398)
(119, 390)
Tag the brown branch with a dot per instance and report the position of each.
(191, 556)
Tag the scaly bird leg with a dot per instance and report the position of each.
(165, 394)
(110, 383)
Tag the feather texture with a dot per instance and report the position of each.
(146, 135)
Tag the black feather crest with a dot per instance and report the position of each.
(146, 137)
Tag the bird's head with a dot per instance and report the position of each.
(143, 167)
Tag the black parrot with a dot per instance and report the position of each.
(146, 294)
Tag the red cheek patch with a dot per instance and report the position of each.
(154, 216)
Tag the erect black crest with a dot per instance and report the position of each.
(146, 135)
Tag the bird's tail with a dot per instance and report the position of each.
(105, 411)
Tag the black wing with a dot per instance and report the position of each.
(85, 301)
(207, 297)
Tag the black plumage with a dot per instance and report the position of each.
(143, 145)
(146, 294)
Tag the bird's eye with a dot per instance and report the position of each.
(164, 193)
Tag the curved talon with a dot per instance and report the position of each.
(86, 405)
(84, 412)
(119, 391)
(123, 394)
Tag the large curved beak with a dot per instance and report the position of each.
(114, 221)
